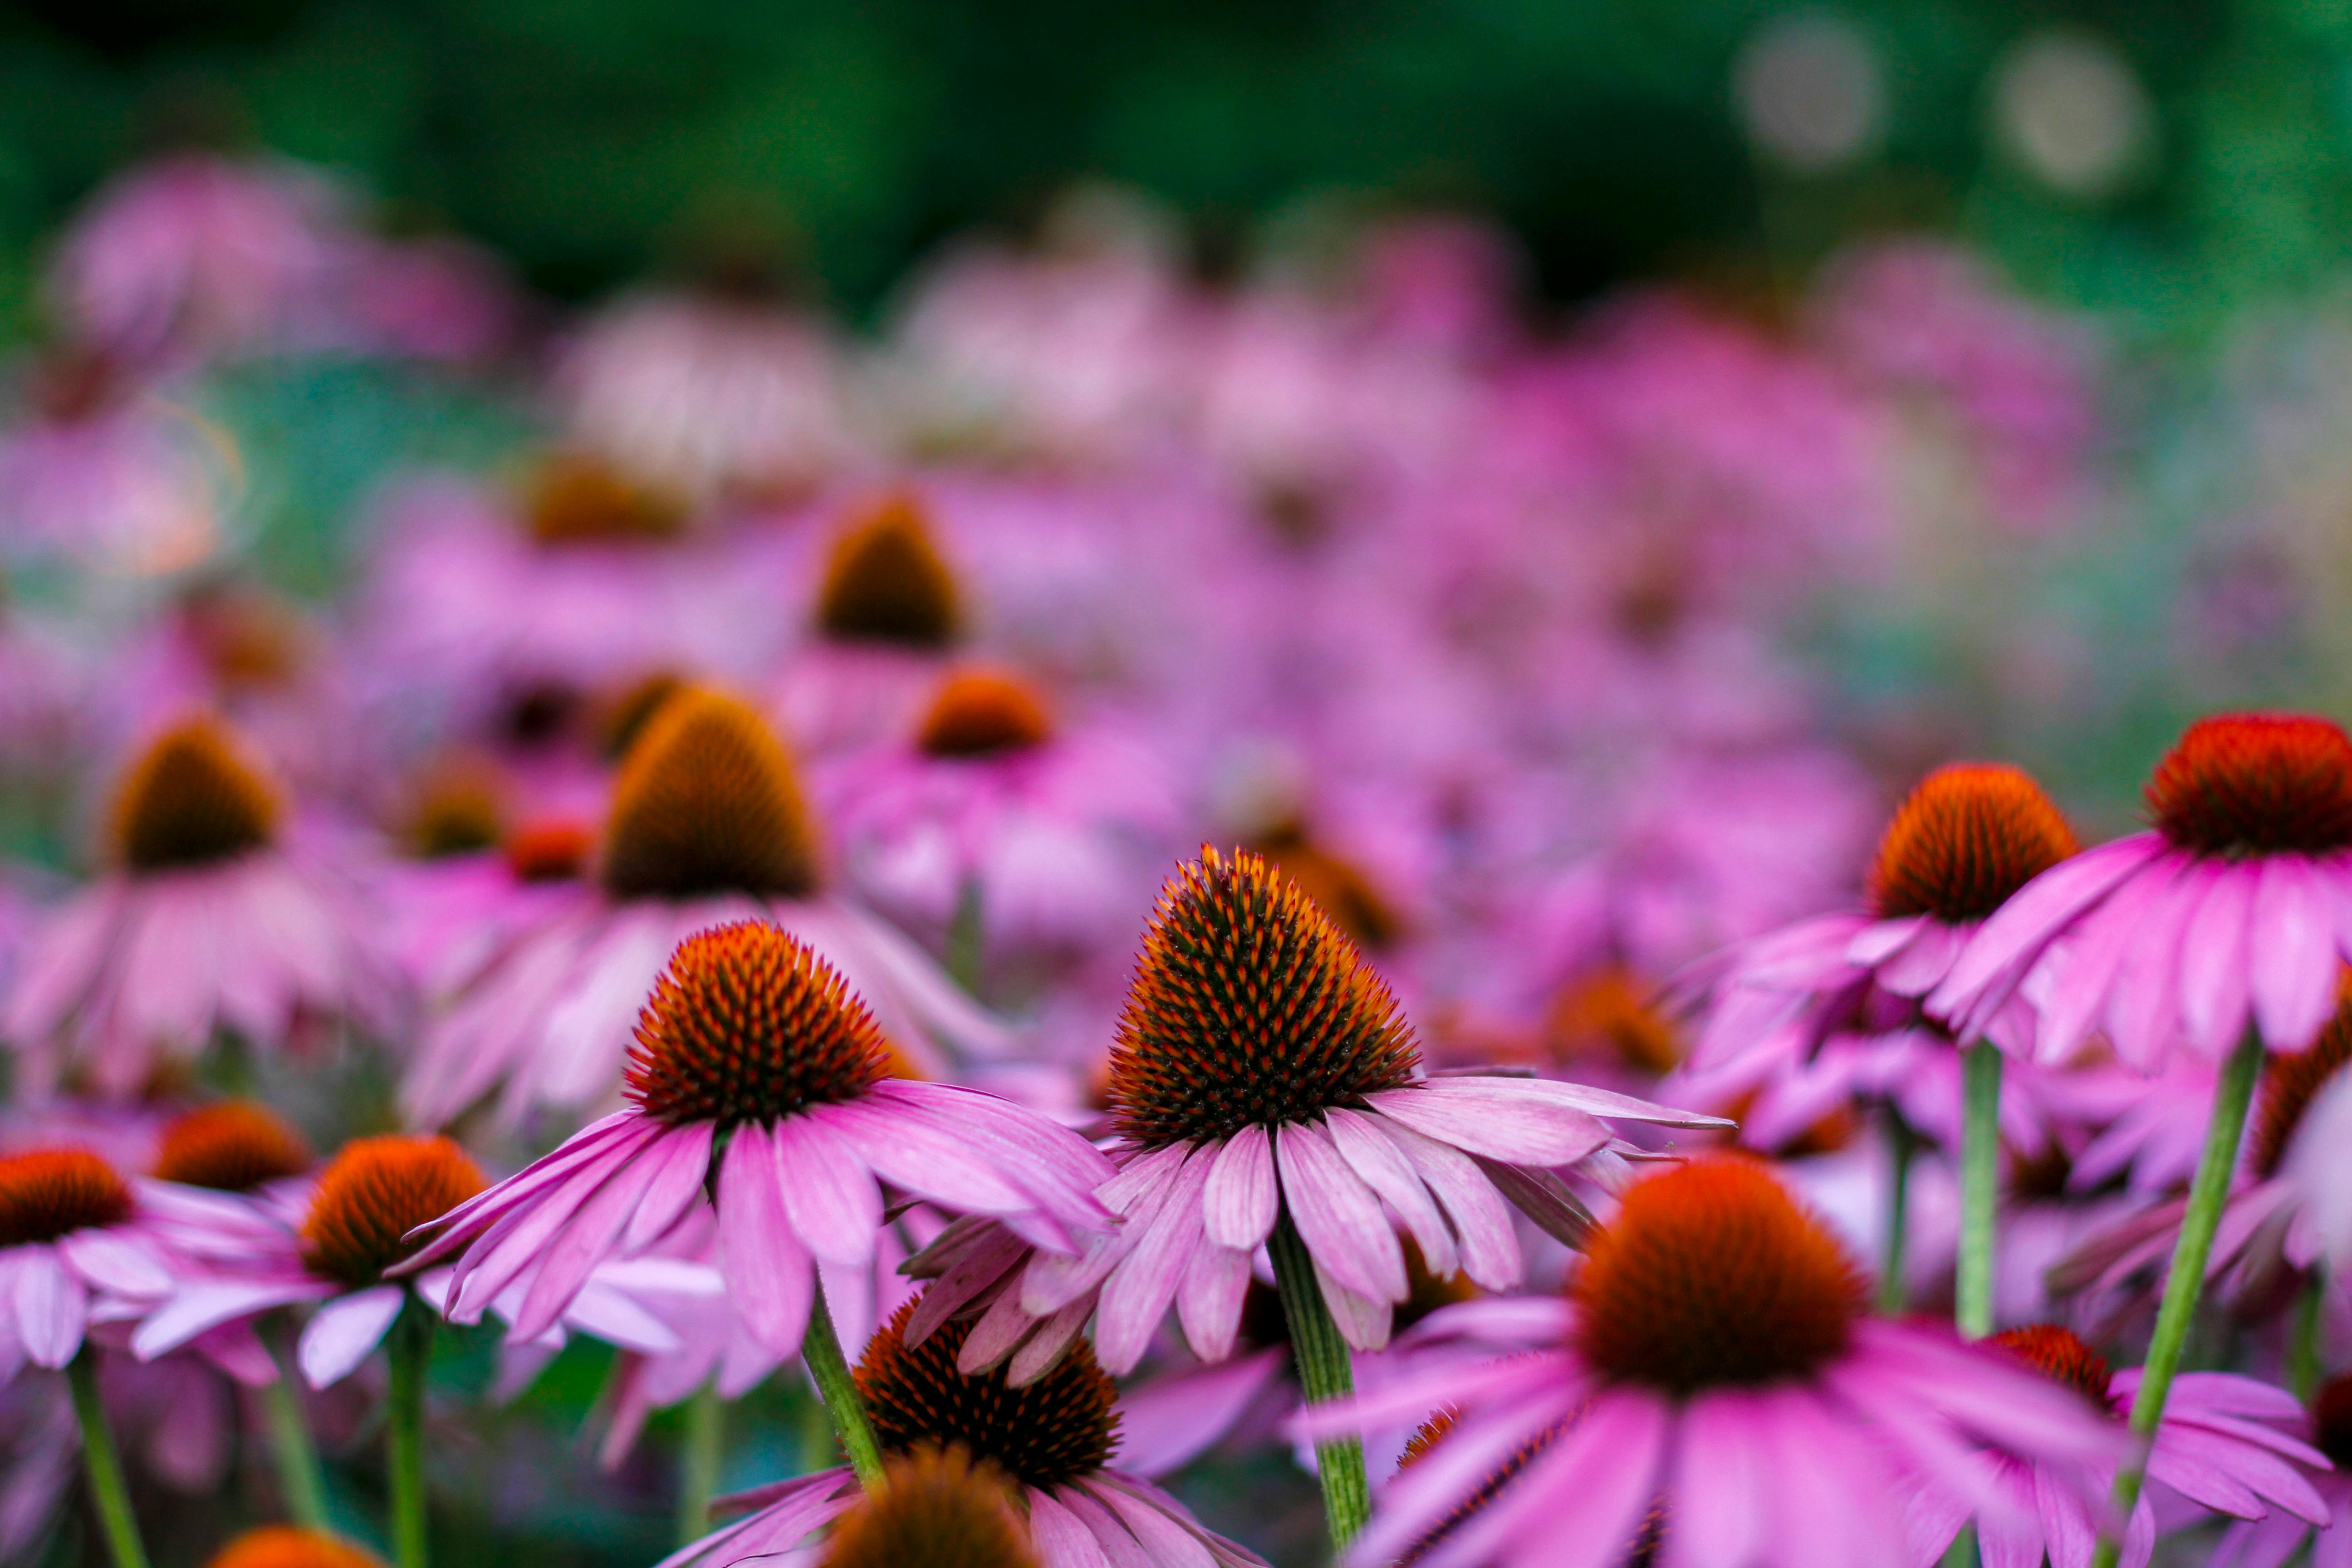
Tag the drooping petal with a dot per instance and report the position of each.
(1338, 1216)
(1239, 1204)
(770, 1278)
(829, 1194)
(340, 1334)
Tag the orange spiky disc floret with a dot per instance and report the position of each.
(748, 1024)
(1711, 1276)
(284, 1546)
(1967, 838)
(937, 1509)
(2059, 1355)
(192, 798)
(2331, 1421)
(49, 1193)
(1611, 1010)
(549, 851)
(2256, 783)
(1425, 1439)
(707, 803)
(982, 713)
(887, 582)
(1338, 887)
(372, 1193)
(1248, 1006)
(579, 500)
(621, 717)
(233, 1147)
(2290, 1081)
(1060, 1427)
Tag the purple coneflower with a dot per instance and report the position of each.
(1053, 1440)
(216, 916)
(1713, 1358)
(2226, 1443)
(2276, 1541)
(707, 826)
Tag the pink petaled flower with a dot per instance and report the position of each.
(1045, 826)
(215, 917)
(715, 395)
(1712, 1372)
(2233, 913)
(750, 1034)
(1053, 1440)
(2226, 1443)
(706, 824)
(195, 255)
(1262, 1076)
(2278, 1538)
(75, 1243)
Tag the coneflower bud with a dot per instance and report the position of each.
(706, 803)
(372, 1193)
(983, 713)
(887, 582)
(748, 1024)
(1967, 838)
(937, 1509)
(1248, 1006)
(192, 798)
(232, 1147)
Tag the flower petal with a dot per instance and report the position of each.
(340, 1334)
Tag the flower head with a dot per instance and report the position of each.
(887, 582)
(284, 1546)
(556, 851)
(1967, 838)
(747, 1024)
(578, 499)
(192, 798)
(233, 1146)
(1062, 1426)
(937, 1509)
(74, 1242)
(2256, 783)
(983, 713)
(707, 803)
(373, 1193)
(2058, 1353)
(1248, 1008)
(49, 1193)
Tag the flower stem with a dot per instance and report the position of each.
(410, 1345)
(1327, 1373)
(2208, 1192)
(821, 1350)
(1979, 1186)
(104, 1465)
(2303, 1342)
(699, 1460)
(1900, 1143)
(965, 937)
(302, 1491)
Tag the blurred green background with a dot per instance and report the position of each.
(576, 134)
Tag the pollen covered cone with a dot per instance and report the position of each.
(192, 798)
(578, 499)
(1058, 1428)
(937, 1509)
(2059, 1355)
(1248, 1006)
(1967, 838)
(48, 1193)
(285, 1546)
(748, 1024)
(983, 713)
(232, 1147)
(706, 804)
(1711, 1276)
(887, 582)
(2256, 783)
(374, 1193)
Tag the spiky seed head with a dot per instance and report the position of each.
(193, 798)
(233, 1146)
(1056, 1429)
(372, 1193)
(2241, 784)
(983, 713)
(2059, 1355)
(1970, 837)
(575, 499)
(887, 582)
(706, 803)
(49, 1193)
(937, 1509)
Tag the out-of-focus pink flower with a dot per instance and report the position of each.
(1714, 1351)
(2274, 1541)
(77, 1245)
(217, 915)
(2231, 913)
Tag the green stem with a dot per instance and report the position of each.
(1979, 1186)
(1327, 1373)
(821, 1350)
(1900, 1143)
(299, 1485)
(410, 1345)
(2209, 1191)
(1962, 1552)
(965, 935)
(104, 1465)
(2302, 1343)
(698, 1459)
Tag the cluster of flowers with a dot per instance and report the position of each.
(749, 806)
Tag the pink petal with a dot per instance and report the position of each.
(2143, 1010)
(1876, 942)
(1719, 1489)
(2086, 975)
(1996, 958)
(1484, 1116)
(1209, 1299)
(342, 1332)
(585, 1241)
(1060, 1540)
(674, 1169)
(1489, 1247)
(1167, 1544)
(769, 1277)
(51, 1307)
(1166, 1423)
(829, 1195)
(1336, 1215)
(1364, 1322)
(206, 1304)
(1376, 1161)
(2213, 962)
(2293, 953)
(1042, 1349)
(1137, 1294)
(1239, 1204)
